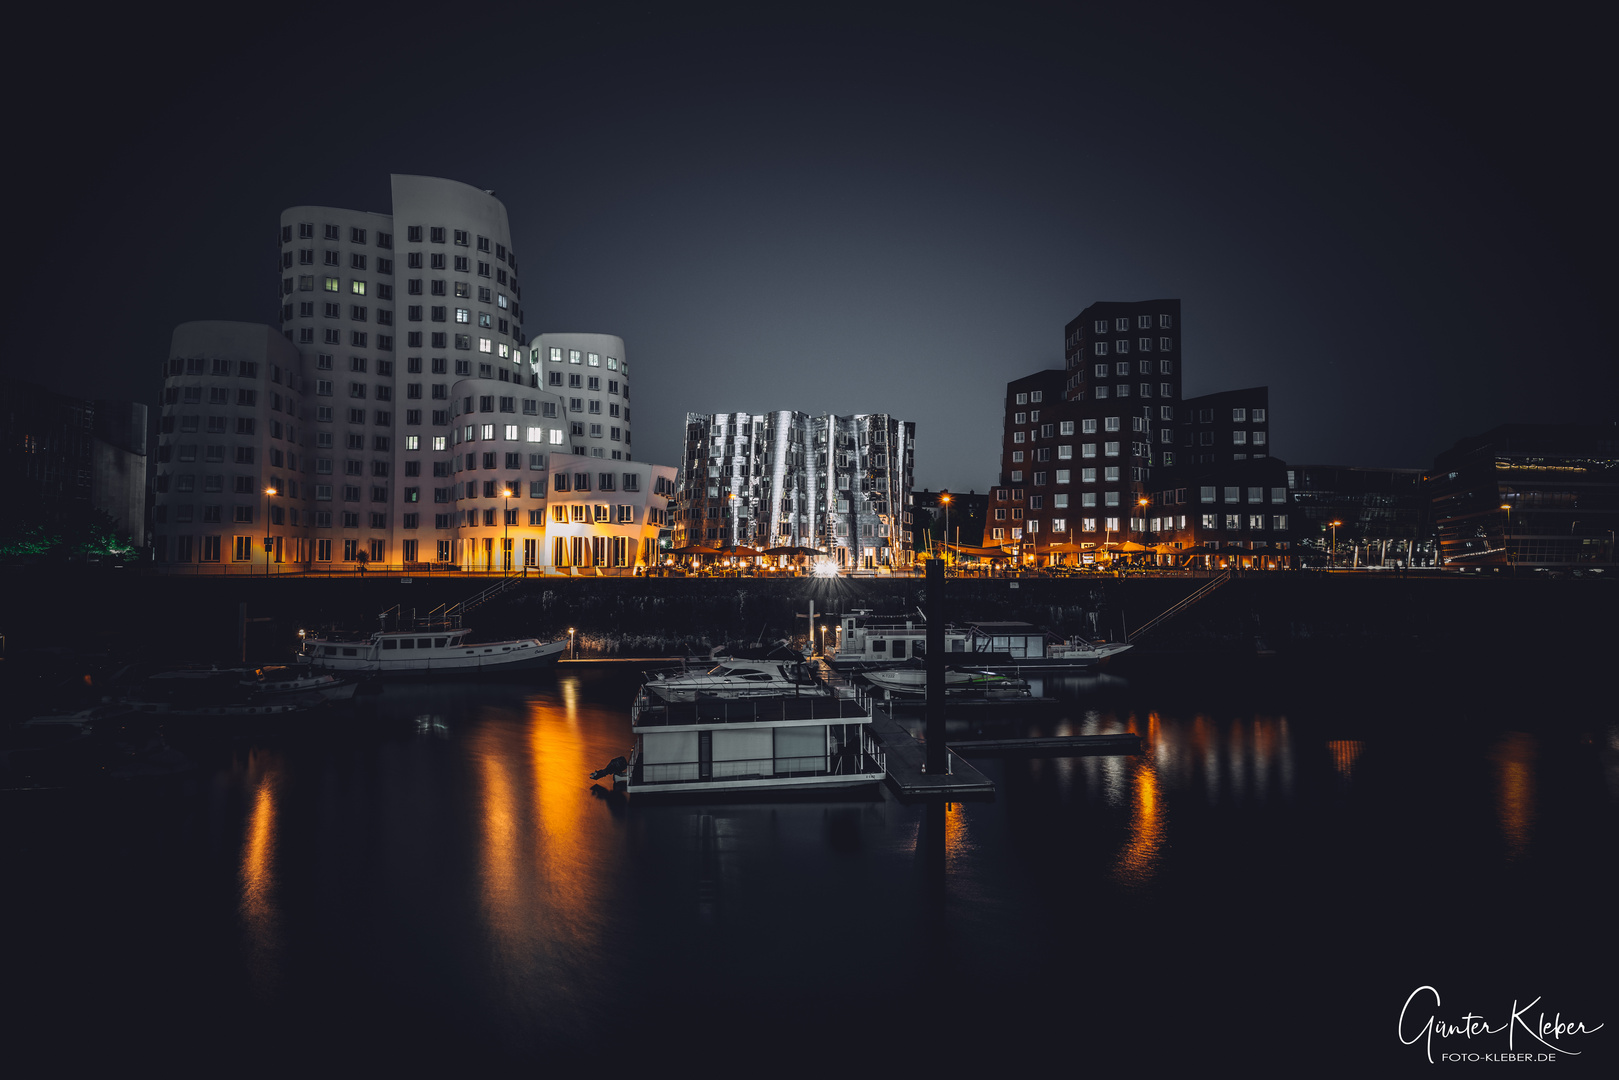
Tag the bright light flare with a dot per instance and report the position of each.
(826, 568)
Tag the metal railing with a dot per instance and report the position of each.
(860, 760)
(659, 713)
(1158, 620)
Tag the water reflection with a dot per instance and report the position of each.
(1138, 859)
(257, 907)
(1345, 752)
(1514, 758)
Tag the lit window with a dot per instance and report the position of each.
(439, 442)
(357, 287)
(485, 345)
(332, 285)
(511, 432)
(463, 315)
(556, 437)
(488, 432)
(536, 434)
(413, 442)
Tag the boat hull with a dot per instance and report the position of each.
(484, 660)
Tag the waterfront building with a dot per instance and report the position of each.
(401, 416)
(68, 459)
(839, 484)
(1232, 425)
(1528, 496)
(1384, 515)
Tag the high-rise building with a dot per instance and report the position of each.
(839, 484)
(1081, 445)
(402, 416)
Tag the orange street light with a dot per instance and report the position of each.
(268, 543)
(1332, 556)
(944, 497)
(506, 533)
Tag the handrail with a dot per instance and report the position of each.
(483, 597)
(1175, 609)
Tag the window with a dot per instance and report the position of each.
(1259, 416)
(1066, 427)
(1239, 438)
(1110, 449)
(1122, 347)
(1101, 348)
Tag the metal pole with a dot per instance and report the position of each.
(937, 762)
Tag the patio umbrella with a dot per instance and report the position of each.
(793, 550)
(694, 549)
(740, 552)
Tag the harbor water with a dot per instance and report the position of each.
(430, 881)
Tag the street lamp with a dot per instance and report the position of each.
(506, 534)
(736, 532)
(268, 543)
(1142, 502)
(1332, 556)
(944, 497)
(1513, 570)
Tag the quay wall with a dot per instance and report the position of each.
(1302, 613)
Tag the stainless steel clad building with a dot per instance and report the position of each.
(839, 484)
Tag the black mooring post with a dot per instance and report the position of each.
(936, 763)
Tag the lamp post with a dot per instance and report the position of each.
(269, 491)
(1142, 502)
(506, 534)
(1332, 556)
(944, 497)
(1511, 569)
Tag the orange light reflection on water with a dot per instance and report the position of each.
(1138, 860)
(1514, 757)
(260, 914)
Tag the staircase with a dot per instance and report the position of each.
(1186, 602)
(455, 611)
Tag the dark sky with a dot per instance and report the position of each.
(1400, 222)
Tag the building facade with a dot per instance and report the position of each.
(1384, 515)
(401, 416)
(68, 459)
(1106, 453)
(1528, 497)
(838, 484)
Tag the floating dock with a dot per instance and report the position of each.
(1054, 746)
(906, 755)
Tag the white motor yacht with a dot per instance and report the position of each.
(429, 651)
(737, 678)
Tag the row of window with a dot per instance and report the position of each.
(306, 231)
(1121, 368)
(306, 257)
(358, 339)
(217, 366)
(1121, 347)
(1143, 322)
(1122, 390)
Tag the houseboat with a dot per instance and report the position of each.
(866, 641)
(1025, 647)
(731, 744)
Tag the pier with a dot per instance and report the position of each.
(906, 755)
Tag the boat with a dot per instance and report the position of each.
(958, 682)
(1020, 646)
(778, 673)
(866, 642)
(279, 681)
(731, 742)
(437, 645)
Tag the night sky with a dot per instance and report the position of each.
(1402, 224)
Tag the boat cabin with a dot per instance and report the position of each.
(864, 639)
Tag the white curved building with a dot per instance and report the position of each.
(399, 406)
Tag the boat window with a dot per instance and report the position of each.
(425, 643)
(404, 643)
(438, 642)
(390, 643)
(721, 670)
(759, 676)
(325, 651)
(351, 652)
(879, 644)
